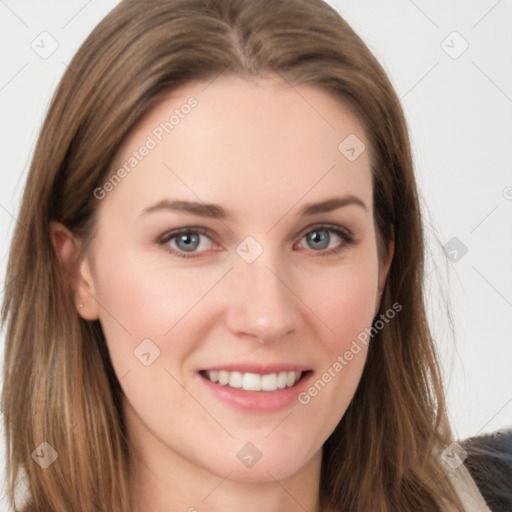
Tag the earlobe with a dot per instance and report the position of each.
(86, 293)
(77, 272)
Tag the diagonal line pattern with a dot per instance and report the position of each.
(76, 14)
(13, 13)
(217, 486)
(424, 14)
(491, 285)
(279, 424)
(486, 14)
(508, 401)
(286, 491)
(431, 272)
(214, 78)
(420, 80)
(492, 81)
(200, 404)
(13, 217)
(14, 76)
(488, 215)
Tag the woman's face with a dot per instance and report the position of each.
(238, 246)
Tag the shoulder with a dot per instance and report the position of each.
(489, 462)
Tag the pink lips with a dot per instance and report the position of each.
(262, 369)
(258, 401)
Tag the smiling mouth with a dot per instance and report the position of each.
(254, 381)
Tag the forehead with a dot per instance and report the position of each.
(249, 144)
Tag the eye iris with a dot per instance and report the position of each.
(319, 239)
(190, 240)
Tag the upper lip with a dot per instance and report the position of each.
(262, 369)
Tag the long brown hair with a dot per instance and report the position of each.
(59, 385)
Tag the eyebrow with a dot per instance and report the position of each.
(210, 210)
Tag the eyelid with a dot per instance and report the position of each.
(345, 234)
(327, 226)
(169, 235)
(341, 231)
(188, 229)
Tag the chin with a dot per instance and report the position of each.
(260, 472)
(267, 463)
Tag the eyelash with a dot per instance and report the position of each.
(343, 233)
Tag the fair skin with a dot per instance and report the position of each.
(262, 152)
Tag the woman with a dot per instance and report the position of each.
(216, 297)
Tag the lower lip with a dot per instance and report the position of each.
(262, 401)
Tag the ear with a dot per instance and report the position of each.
(383, 272)
(77, 270)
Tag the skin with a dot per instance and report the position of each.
(262, 150)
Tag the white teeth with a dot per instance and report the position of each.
(269, 382)
(223, 378)
(251, 382)
(235, 380)
(254, 381)
(282, 379)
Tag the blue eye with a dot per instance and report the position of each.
(184, 241)
(318, 239)
(321, 238)
(191, 242)
(187, 242)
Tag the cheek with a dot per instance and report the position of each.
(344, 299)
(346, 307)
(352, 307)
(140, 298)
(344, 302)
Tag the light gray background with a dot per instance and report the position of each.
(458, 109)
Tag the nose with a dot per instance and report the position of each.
(261, 302)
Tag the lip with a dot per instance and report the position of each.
(262, 369)
(258, 401)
